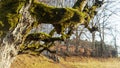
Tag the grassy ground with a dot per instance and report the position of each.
(29, 61)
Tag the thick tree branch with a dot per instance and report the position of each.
(48, 14)
(80, 4)
(42, 37)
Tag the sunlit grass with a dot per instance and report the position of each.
(94, 62)
(28, 61)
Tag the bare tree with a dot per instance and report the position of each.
(78, 34)
(114, 33)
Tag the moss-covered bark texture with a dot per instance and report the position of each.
(61, 18)
(48, 14)
(9, 14)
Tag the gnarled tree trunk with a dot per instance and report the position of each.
(18, 17)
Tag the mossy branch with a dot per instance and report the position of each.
(80, 4)
(42, 37)
(48, 14)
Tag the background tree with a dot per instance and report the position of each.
(114, 35)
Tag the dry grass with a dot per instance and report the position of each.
(77, 62)
(29, 61)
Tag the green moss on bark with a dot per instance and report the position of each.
(9, 14)
(47, 14)
(61, 18)
(37, 36)
(42, 37)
